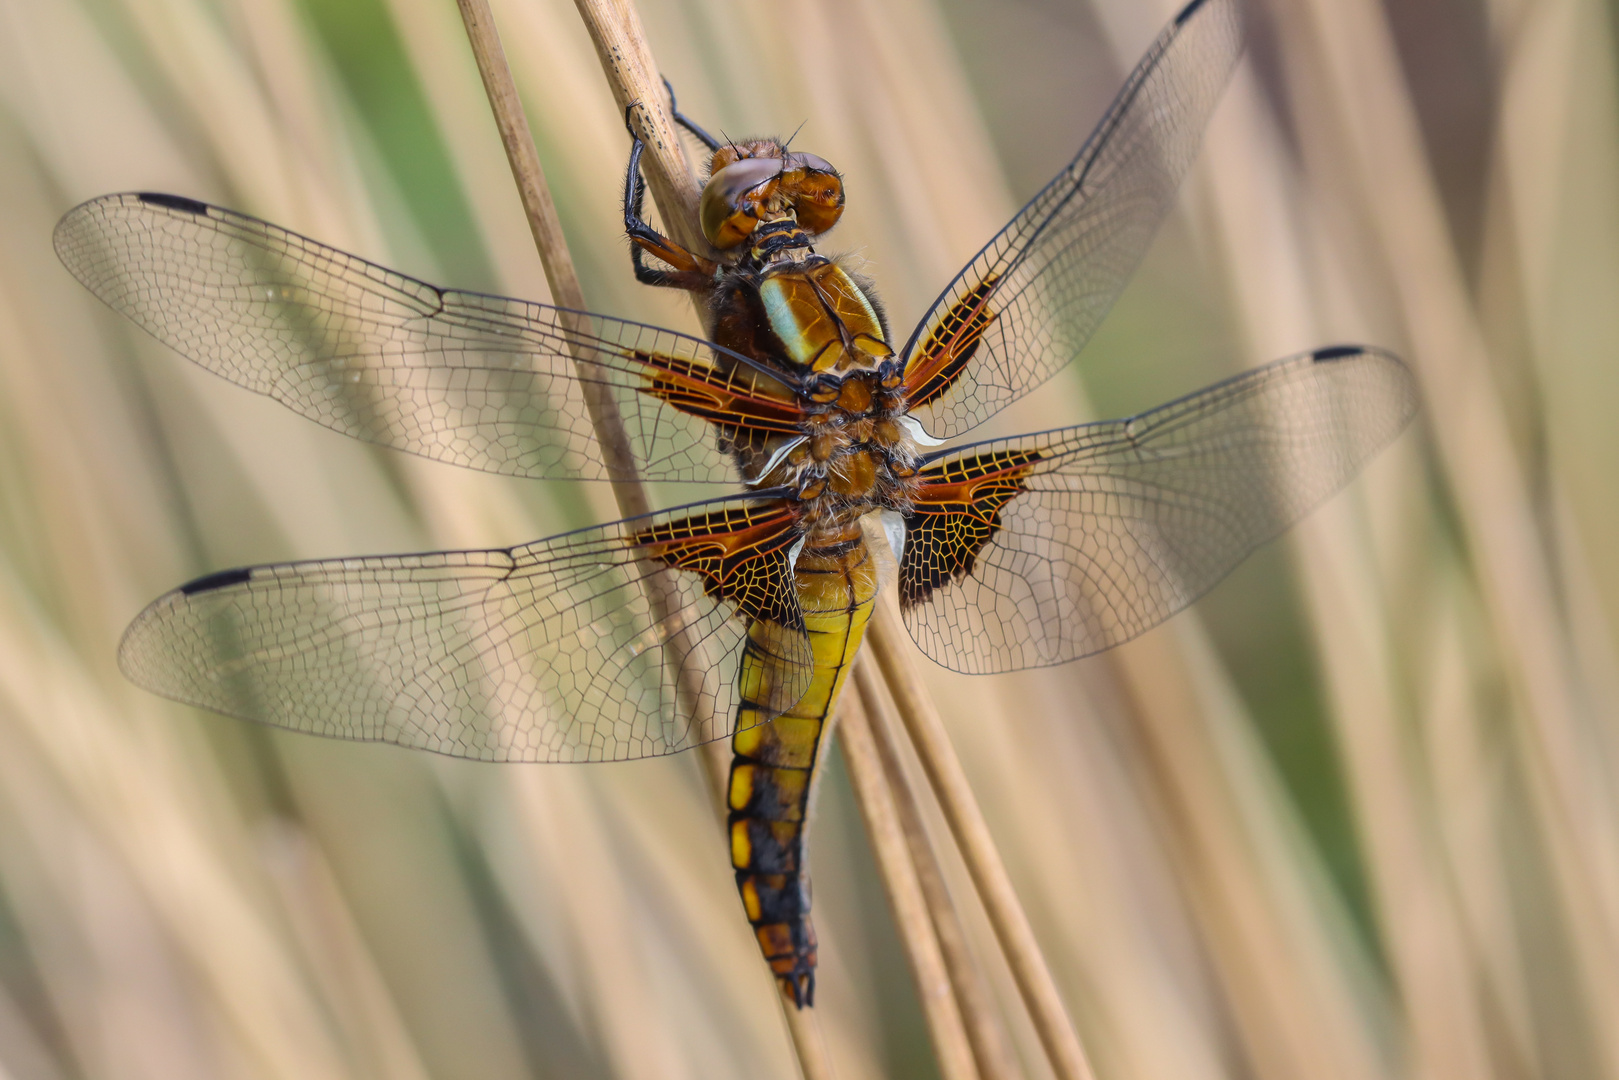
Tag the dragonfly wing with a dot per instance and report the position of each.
(607, 644)
(1038, 550)
(482, 381)
(1030, 300)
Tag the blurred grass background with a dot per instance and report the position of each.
(1353, 816)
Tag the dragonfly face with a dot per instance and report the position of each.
(738, 617)
(757, 183)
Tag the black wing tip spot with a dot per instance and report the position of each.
(1188, 11)
(1337, 352)
(210, 582)
(173, 202)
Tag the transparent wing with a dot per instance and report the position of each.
(1027, 303)
(1036, 550)
(608, 644)
(481, 381)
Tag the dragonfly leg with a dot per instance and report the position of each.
(688, 123)
(688, 270)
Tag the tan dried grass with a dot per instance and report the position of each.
(185, 898)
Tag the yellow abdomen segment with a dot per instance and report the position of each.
(774, 768)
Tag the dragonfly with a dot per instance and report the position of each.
(737, 617)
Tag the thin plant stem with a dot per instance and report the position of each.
(632, 75)
(1378, 147)
(992, 1048)
(626, 59)
(541, 211)
(967, 824)
(608, 425)
(622, 47)
(876, 797)
(638, 90)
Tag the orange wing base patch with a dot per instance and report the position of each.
(734, 399)
(950, 345)
(957, 511)
(742, 555)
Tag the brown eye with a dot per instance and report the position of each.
(729, 208)
(816, 191)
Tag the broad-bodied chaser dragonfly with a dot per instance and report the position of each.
(737, 617)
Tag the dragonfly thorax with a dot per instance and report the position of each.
(818, 324)
(855, 454)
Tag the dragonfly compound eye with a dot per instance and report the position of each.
(736, 197)
(815, 189)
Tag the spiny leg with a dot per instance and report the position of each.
(688, 123)
(689, 270)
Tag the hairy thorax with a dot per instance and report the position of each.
(858, 455)
(855, 452)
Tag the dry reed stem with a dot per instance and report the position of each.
(632, 75)
(934, 986)
(518, 141)
(809, 1043)
(546, 227)
(627, 489)
(1381, 148)
(1268, 267)
(1284, 983)
(967, 824)
(992, 1048)
(637, 87)
(621, 45)
(543, 222)
(319, 919)
(631, 496)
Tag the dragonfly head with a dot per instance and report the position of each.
(757, 181)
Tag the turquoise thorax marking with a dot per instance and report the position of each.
(802, 308)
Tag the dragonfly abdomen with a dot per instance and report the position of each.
(776, 763)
